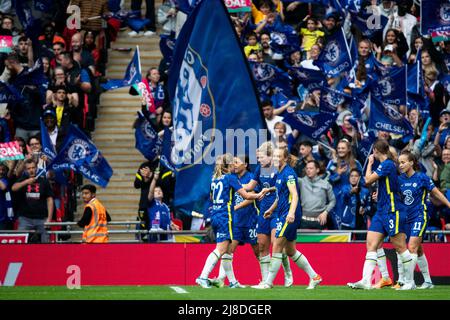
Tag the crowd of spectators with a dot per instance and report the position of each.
(56, 70)
(331, 168)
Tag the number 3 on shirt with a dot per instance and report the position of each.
(391, 224)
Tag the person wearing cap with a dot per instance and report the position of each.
(95, 217)
(56, 135)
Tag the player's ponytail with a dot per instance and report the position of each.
(222, 165)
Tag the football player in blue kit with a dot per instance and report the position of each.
(244, 220)
(265, 176)
(224, 184)
(415, 187)
(288, 211)
(390, 217)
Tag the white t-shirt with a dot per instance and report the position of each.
(271, 125)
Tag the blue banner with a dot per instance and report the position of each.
(330, 99)
(334, 58)
(132, 75)
(390, 85)
(312, 124)
(419, 102)
(269, 77)
(32, 77)
(415, 76)
(165, 158)
(79, 153)
(47, 146)
(147, 140)
(386, 117)
(369, 23)
(166, 45)
(186, 6)
(137, 24)
(309, 78)
(435, 16)
(9, 93)
(43, 5)
(208, 100)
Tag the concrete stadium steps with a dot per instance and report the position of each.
(114, 135)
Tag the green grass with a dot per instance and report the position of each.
(197, 293)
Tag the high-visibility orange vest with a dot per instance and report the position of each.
(97, 230)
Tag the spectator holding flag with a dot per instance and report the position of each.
(393, 49)
(35, 201)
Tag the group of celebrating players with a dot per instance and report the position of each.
(401, 215)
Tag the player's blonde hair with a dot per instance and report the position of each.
(222, 164)
(266, 148)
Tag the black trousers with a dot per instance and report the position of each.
(149, 12)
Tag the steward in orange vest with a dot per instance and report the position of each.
(95, 217)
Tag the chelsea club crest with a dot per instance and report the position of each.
(194, 112)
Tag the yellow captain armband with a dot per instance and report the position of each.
(290, 182)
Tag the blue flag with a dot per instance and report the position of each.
(47, 146)
(415, 76)
(390, 85)
(165, 158)
(80, 154)
(269, 77)
(208, 99)
(419, 102)
(166, 45)
(368, 27)
(43, 5)
(132, 75)
(435, 16)
(9, 93)
(330, 99)
(334, 58)
(186, 6)
(312, 124)
(137, 24)
(147, 140)
(32, 77)
(386, 117)
(309, 78)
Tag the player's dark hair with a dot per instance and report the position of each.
(411, 157)
(266, 103)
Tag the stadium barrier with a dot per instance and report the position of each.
(180, 264)
(196, 236)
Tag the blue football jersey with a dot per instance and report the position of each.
(266, 178)
(246, 216)
(222, 193)
(388, 186)
(415, 190)
(286, 177)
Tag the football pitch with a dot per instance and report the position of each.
(197, 293)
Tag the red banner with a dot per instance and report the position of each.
(13, 238)
(180, 264)
(238, 5)
(10, 151)
(6, 44)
